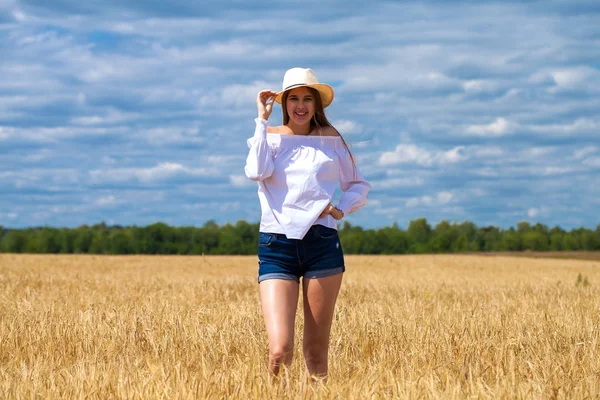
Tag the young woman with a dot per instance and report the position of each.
(298, 166)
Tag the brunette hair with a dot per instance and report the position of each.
(318, 121)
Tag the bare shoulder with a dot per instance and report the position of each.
(278, 129)
(327, 131)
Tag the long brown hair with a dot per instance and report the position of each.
(318, 120)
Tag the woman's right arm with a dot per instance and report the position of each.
(259, 163)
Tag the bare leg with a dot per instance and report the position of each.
(320, 295)
(279, 300)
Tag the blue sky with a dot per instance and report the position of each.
(133, 112)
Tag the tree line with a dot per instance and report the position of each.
(242, 238)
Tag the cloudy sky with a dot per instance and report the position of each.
(133, 112)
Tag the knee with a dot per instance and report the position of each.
(315, 353)
(281, 354)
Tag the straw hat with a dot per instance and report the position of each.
(297, 77)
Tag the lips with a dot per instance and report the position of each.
(301, 115)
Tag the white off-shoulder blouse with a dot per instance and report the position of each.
(297, 177)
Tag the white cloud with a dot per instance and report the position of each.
(7, 4)
(478, 86)
(160, 172)
(411, 154)
(592, 162)
(55, 134)
(106, 160)
(451, 156)
(223, 160)
(160, 94)
(107, 201)
(535, 212)
(538, 151)
(163, 171)
(409, 77)
(236, 95)
(581, 153)
(211, 206)
(581, 125)
(444, 197)
(479, 192)
(558, 170)
(573, 78)
(241, 181)
(580, 78)
(41, 178)
(37, 156)
(174, 135)
(440, 199)
(345, 126)
(19, 15)
(499, 127)
(415, 201)
(485, 172)
(390, 183)
(111, 116)
(486, 152)
(406, 154)
(10, 215)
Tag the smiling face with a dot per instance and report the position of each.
(300, 106)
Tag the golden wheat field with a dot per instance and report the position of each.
(447, 326)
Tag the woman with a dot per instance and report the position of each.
(298, 166)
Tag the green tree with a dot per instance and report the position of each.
(48, 240)
(492, 238)
(119, 243)
(370, 243)
(229, 242)
(556, 241)
(419, 232)
(100, 242)
(443, 237)
(394, 240)
(569, 242)
(210, 232)
(469, 238)
(14, 241)
(588, 240)
(83, 240)
(511, 241)
(535, 241)
(555, 237)
(523, 227)
(248, 235)
(540, 228)
(351, 238)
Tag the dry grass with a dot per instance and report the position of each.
(572, 255)
(405, 326)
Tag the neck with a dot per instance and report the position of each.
(303, 129)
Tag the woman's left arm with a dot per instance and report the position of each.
(353, 184)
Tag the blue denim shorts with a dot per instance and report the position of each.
(317, 255)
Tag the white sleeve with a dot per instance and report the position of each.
(352, 183)
(259, 163)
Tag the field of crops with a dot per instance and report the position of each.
(446, 326)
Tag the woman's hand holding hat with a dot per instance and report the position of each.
(264, 103)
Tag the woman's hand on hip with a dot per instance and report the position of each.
(335, 212)
(264, 103)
